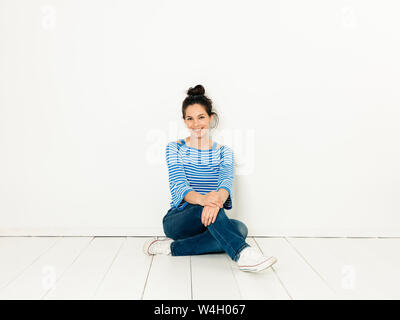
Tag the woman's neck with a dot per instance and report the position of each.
(202, 143)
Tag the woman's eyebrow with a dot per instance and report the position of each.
(201, 114)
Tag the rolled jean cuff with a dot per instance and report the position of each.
(237, 255)
(172, 248)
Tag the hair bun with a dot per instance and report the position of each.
(197, 90)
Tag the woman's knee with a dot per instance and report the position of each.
(184, 224)
(241, 227)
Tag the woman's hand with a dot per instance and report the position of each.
(212, 198)
(209, 215)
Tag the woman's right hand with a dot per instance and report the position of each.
(211, 199)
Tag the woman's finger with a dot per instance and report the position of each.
(211, 219)
(214, 216)
(207, 222)
(203, 214)
(206, 213)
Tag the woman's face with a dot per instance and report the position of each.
(197, 120)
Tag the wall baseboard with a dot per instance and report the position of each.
(151, 232)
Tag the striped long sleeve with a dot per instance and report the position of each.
(226, 175)
(178, 183)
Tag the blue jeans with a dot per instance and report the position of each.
(192, 237)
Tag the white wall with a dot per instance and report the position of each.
(307, 93)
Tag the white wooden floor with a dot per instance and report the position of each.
(116, 268)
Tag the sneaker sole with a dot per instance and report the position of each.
(260, 266)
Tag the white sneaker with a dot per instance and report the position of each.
(252, 260)
(157, 246)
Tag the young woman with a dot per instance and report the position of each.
(201, 182)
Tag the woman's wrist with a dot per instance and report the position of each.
(200, 199)
(223, 194)
(194, 197)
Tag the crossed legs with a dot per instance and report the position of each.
(192, 237)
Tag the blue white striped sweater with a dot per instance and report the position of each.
(192, 169)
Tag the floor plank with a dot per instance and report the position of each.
(39, 277)
(127, 276)
(213, 278)
(116, 268)
(169, 278)
(263, 285)
(299, 278)
(355, 268)
(85, 275)
(18, 253)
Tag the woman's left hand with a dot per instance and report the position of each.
(209, 215)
